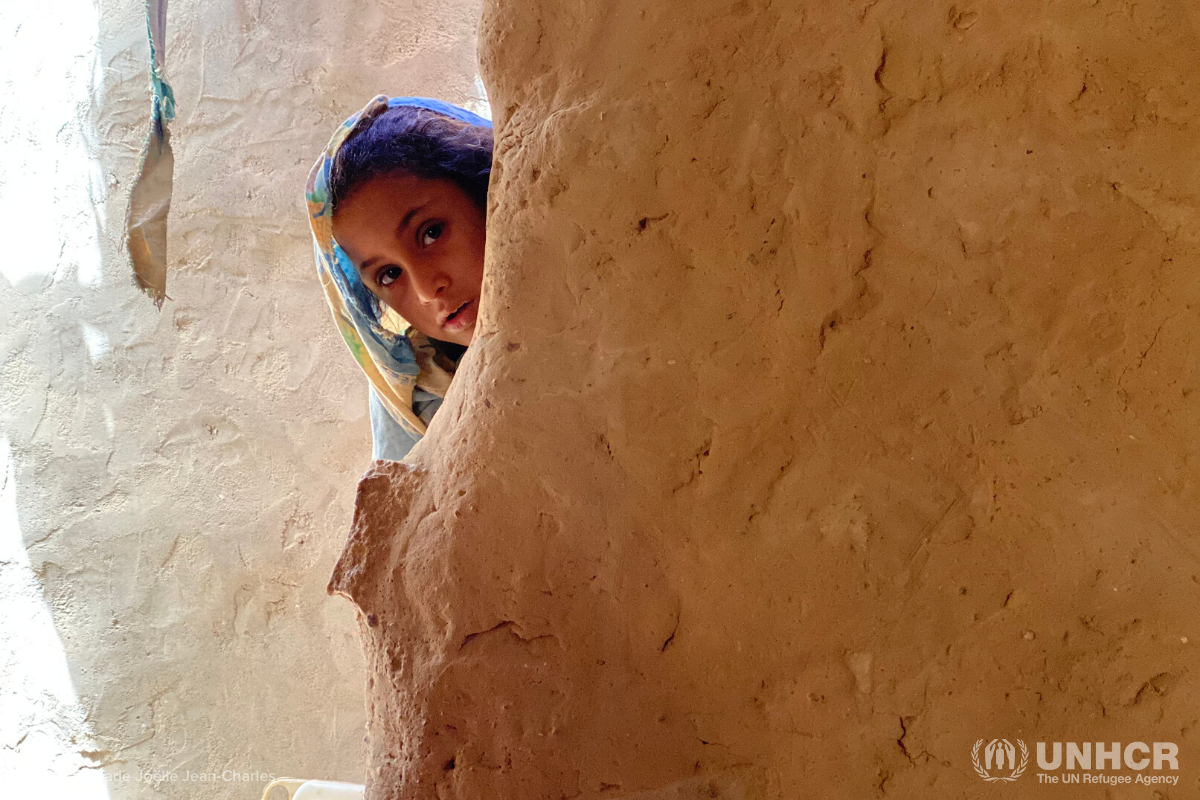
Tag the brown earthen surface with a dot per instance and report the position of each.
(833, 406)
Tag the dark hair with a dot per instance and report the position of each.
(418, 141)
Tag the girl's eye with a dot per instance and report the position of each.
(431, 234)
(388, 275)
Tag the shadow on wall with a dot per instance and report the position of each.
(52, 190)
(42, 724)
(178, 482)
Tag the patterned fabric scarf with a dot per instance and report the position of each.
(399, 358)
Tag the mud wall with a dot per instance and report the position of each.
(833, 407)
(175, 485)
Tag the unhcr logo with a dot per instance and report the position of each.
(1079, 762)
(996, 755)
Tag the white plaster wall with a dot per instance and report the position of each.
(176, 485)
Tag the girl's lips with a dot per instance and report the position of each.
(463, 318)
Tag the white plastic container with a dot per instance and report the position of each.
(298, 789)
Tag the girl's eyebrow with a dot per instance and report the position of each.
(408, 217)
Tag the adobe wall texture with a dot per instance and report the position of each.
(177, 484)
(833, 407)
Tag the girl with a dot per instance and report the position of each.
(398, 206)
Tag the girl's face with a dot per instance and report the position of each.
(418, 245)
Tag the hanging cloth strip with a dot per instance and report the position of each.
(150, 200)
(399, 358)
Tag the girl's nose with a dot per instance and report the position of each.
(428, 284)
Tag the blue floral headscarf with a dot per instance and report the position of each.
(395, 362)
